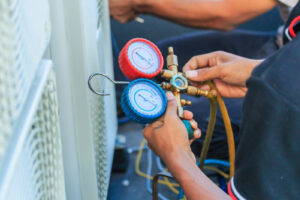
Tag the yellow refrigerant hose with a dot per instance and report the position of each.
(228, 129)
(172, 186)
(229, 133)
(209, 131)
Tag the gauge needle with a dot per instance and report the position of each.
(147, 100)
(143, 58)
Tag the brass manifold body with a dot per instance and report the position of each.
(178, 83)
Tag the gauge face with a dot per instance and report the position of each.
(143, 57)
(146, 98)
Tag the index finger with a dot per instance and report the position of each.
(204, 60)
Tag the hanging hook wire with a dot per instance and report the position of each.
(107, 77)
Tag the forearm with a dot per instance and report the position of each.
(195, 183)
(216, 14)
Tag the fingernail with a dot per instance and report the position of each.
(193, 123)
(197, 133)
(191, 74)
(169, 95)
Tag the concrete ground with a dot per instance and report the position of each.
(131, 186)
(136, 188)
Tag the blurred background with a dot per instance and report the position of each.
(127, 184)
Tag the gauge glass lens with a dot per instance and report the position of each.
(179, 82)
(143, 57)
(145, 98)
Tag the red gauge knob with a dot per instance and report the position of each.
(140, 58)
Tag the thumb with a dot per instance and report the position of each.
(172, 104)
(205, 74)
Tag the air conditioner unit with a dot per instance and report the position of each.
(80, 46)
(52, 148)
(31, 164)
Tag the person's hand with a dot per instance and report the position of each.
(168, 135)
(122, 10)
(229, 72)
(168, 138)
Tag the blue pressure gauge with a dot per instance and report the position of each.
(143, 101)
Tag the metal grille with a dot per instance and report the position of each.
(100, 146)
(13, 84)
(100, 143)
(39, 170)
(103, 111)
(99, 127)
(100, 6)
(29, 129)
(22, 44)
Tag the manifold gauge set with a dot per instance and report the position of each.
(143, 100)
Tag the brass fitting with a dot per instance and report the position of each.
(167, 74)
(172, 61)
(194, 91)
(185, 102)
(165, 86)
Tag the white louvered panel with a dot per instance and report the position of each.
(36, 171)
(80, 46)
(23, 40)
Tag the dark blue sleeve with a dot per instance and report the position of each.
(268, 157)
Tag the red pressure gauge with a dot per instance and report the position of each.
(140, 58)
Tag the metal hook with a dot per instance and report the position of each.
(106, 76)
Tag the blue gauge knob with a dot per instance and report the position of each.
(189, 129)
(143, 101)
